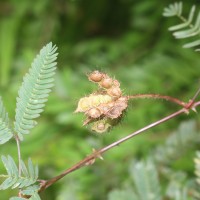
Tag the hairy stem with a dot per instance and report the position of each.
(158, 96)
(91, 158)
(19, 154)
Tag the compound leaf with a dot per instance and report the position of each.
(35, 89)
(5, 131)
(187, 28)
(27, 178)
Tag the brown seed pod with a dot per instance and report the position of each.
(101, 126)
(91, 101)
(114, 113)
(116, 83)
(95, 76)
(122, 103)
(117, 110)
(106, 83)
(115, 92)
(105, 107)
(93, 113)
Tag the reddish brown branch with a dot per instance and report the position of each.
(158, 96)
(90, 159)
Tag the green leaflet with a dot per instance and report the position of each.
(122, 195)
(35, 89)
(173, 10)
(197, 167)
(177, 143)
(29, 191)
(189, 27)
(5, 131)
(28, 177)
(35, 196)
(146, 181)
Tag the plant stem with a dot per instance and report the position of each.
(91, 158)
(183, 19)
(19, 153)
(196, 95)
(158, 96)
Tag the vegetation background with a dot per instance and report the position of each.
(125, 38)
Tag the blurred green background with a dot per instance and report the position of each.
(128, 40)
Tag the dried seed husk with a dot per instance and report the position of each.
(106, 83)
(93, 113)
(118, 108)
(101, 126)
(114, 113)
(116, 83)
(94, 100)
(95, 76)
(115, 92)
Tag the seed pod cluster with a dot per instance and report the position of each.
(109, 85)
(104, 108)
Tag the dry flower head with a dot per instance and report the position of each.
(104, 108)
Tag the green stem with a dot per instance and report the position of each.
(19, 154)
(184, 20)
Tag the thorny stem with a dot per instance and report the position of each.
(91, 158)
(19, 153)
(158, 96)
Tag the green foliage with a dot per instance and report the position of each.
(147, 186)
(197, 167)
(34, 196)
(148, 174)
(142, 62)
(122, 195)
(32, 97)
(34, 90)
(180, 194)
(177, 143)
(31, 191)
(145, 177)
(193, 29)
(173, 10)
(5, 130)
(16, 180)
(9, 28)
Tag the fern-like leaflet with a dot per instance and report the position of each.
(5, 130)
(187, 28)
(146, 180)
(197, 167)
(13, 179)
(35, 90)
(31, 191)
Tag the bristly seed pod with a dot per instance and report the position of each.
(114, 113)
(94, 113)
(91, 101)
(116, 83)
(101, 126)
(105, 107)
(95, 76)
(115, 92)
(106, 83)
